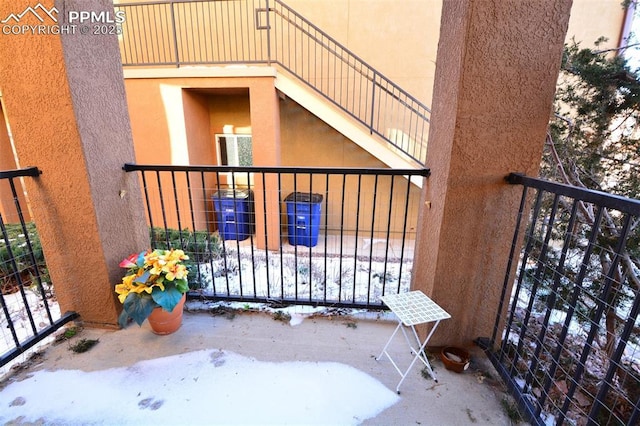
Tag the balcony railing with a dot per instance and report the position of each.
(330, 237)
(567, 336)
(25, 289)
(215, 32)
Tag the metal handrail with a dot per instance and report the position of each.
(268, 32)
(351, 231)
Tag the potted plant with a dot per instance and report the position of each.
(154, 286)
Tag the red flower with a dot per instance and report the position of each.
(130, 261)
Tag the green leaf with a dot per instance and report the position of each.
(143, 278)
(182, 285)
(167, 299)
(137, 307)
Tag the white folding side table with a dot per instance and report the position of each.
(411, 309)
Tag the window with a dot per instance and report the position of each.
(234, 150)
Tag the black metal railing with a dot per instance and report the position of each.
(287, 235)
(216, 32)
(25, 288)
(566, 337)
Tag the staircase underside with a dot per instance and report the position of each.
(342, 122)
(301, 94)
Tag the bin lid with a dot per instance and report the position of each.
(231, 193)
(304, 197)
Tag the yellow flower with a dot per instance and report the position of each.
(125, 287)
(123, 292)
(174, 271)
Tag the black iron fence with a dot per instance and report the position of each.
(567, 335)
(28, 314)
(221, 32)
(330, 237)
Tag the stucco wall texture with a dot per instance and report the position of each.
(7, 162)
(493, 94)
(64, 96)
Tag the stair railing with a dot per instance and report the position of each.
(213, 32)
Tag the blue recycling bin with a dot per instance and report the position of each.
(303, 217)
(234, 213)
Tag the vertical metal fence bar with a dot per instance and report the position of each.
(193, 225)
(205, 200)
(293, 228)
(266, 236)
(250, 226)
(574, 299)
(505, 284)
(540, 271)
(137, 51)
(281, 249)
(145, 190)
(236, 231)
(357, 227)
(232, 41)
(341, 274)
(614, 362)
(404, 234)
(15, 269)
(162, 209)
(175, 34)
(388, 236)
(525, 322)
(373, 221)
(527, 250)
(200, 51)
(558, 272)
(32, 256)
(311, 233)
(326, 234)
(598, 314)
(218, 222)
(177, 205)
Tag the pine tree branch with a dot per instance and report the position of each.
(615, 49)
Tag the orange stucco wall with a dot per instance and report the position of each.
(8, 208)
(64, 99)
(308, 142)
(304, 141)
(186, 113)
(490, 115)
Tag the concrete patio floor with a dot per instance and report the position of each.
(471, 398)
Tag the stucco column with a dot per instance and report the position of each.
(495, 78)
(8, 162)
(65, 100)
(265, 128)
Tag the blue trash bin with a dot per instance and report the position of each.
(234, 213)
(303, 217)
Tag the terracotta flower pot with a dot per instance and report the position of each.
(455, 359)
(163, 322)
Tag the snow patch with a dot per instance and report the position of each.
(202, 387)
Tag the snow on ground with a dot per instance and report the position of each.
(251, 273)
(15, 305)
(203, 387)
